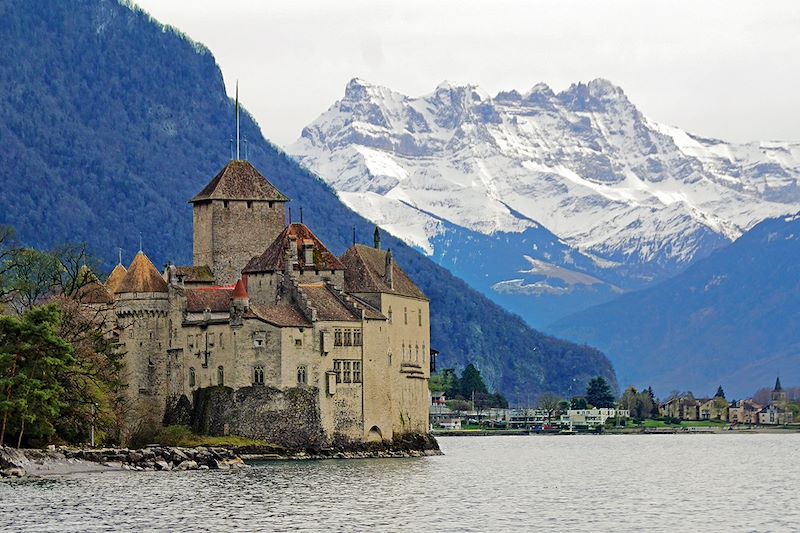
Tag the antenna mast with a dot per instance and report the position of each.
(237, 120)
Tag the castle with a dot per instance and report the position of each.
(268, 334)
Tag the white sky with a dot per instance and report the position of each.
(726, 69)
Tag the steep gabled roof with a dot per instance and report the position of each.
(365, 271)
(327, 304)
(239, 180)
(274, 257)
(142, 276)
(215, 299)
(116, 277)
(281, 315)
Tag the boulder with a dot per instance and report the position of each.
(187, 465)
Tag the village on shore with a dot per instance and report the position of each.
(634, 412)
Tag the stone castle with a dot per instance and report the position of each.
(268, 334)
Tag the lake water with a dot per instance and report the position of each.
(564, 483)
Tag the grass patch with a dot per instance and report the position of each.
(182, 436)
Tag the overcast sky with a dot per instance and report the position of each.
(725, 69)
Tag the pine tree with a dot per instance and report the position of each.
(598, 393)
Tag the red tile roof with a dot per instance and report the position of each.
(365, 270)
(239, 180)
(327, 304)
(215, 299)
(274, 257)
(240, 290)
(281, 315)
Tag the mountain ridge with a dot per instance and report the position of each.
(631, 196)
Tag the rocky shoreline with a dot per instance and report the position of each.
(56, 461)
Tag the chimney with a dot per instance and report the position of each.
(377, 238)
(388, 275)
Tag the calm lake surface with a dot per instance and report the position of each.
(564, 483)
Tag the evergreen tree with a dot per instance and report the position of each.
(578, 402)
(34, 362)
(471, 382)
(598, 393)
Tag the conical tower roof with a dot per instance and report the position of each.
(115, 278)
(239, 180)
(778, 387)
(91, 291)
(142, 276)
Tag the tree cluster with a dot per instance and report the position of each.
(59, 370)
(641, 405)
(462, 391)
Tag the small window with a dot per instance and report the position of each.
(270, 204)
(346, 369)
(298, 343)
(356, 371)
(259, 339)
(405, 315)
(225, 204)
(301, 375)
(348, 337)
(210, 340)
(221, 344)
(220, 376)
(357, 337)
(389, 314)
(337, 369)
(190, 341)
(420, 318)
(258, 375)
(192, 377)
(249, 204)
(417, 352)
(337, 337)
(423, 352)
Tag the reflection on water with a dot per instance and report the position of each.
(574, 483)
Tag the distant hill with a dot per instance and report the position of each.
(731, 319)
(110, 122)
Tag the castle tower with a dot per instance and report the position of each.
(142, 309)
(235, 217)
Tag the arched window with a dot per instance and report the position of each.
(220, 376)
(258, 375)
(301, 375)
(192, 377)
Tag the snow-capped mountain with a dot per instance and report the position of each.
(627, 200)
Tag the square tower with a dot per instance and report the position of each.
(235, 217)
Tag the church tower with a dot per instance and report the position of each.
(235, 217)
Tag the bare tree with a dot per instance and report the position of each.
(548, 402)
